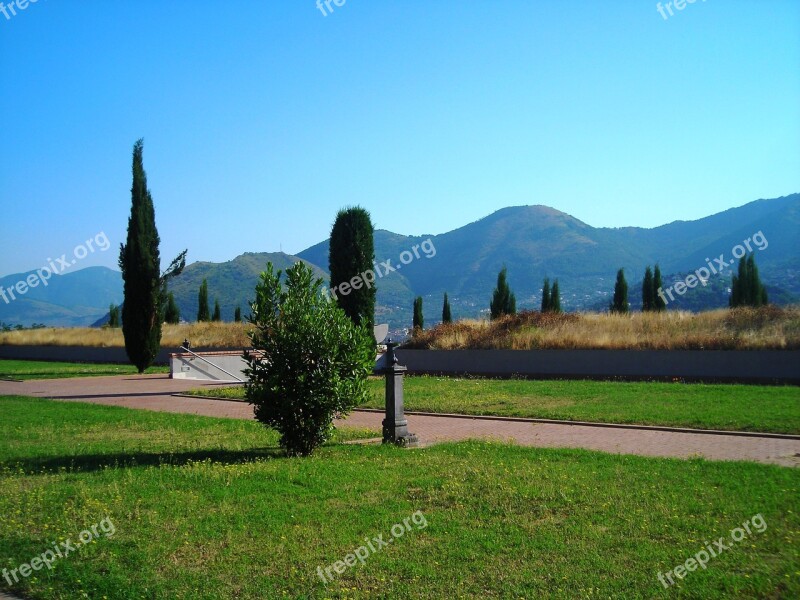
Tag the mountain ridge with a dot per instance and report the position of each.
(532, 241)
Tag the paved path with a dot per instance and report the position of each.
(153, 392)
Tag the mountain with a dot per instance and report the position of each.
(232, 283)
(533, 242)
(73, 299)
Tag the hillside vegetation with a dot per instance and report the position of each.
(533, 242)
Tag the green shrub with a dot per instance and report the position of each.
(310, 363)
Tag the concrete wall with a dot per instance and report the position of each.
(80, 354)
(210, 366)
(754, 366)
(708, 365)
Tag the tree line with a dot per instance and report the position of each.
(747, 289)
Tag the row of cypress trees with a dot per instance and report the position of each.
(503, 301)
(746, 289)
(203, 312)
(351, 254)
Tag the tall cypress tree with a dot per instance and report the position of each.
(217, 316)
(555, 298)
(172, 314)
(237, 315)
(352, 253)
(546, 301)
(659, 303)
(648, 291)
(746, 286)
(503, 300)
(620, 302)
(203, 312)
(140, 262)
(758, 293)
(419, 319)
(113, 316)
(447, 317)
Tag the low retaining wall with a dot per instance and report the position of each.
(766, 366)
(753, 366)
(208, 366)
(85, 354)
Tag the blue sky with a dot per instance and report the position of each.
(262, 119)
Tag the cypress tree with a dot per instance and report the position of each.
(217, 316)
(546, 301)
(620, 304)
(419, 319)
(555, 298)
(503, 300)
(659, 303)
(746, 286)
(758, 292)
(352, 253)
(648, 291)
(113, 316)
(237, 315)
(744, 283)
(203, 312)
(144, 287)
(172, 314)
(447, 317)
(740, 285)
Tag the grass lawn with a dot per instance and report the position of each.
(730, 407)
(206, 508)
(38, 369)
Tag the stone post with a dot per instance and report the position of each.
(395, 425)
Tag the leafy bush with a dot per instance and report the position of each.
(310, 362)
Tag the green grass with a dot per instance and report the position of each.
(206, 508)
(39, 369)
(773, 409)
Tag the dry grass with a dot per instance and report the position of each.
(765, 328)
(208, 335)
(743, 328)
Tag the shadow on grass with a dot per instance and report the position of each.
(97, 462)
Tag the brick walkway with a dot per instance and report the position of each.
(153, 392)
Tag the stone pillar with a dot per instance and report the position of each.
(395, 425)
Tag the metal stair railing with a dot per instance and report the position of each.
(185, 349)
